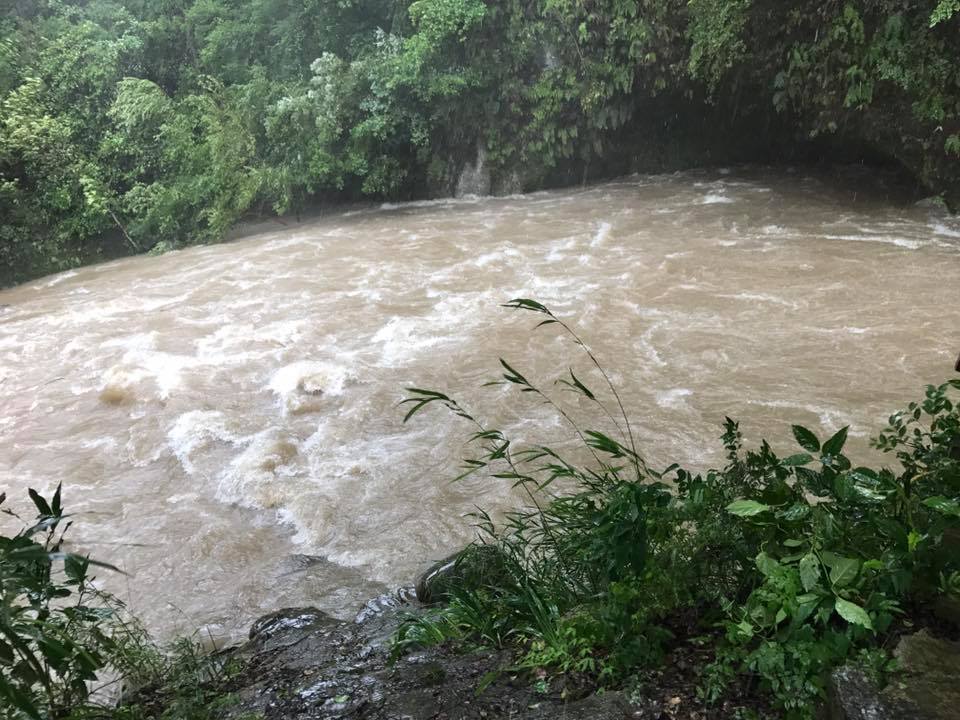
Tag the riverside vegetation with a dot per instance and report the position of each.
(781, 568)
(130, 125)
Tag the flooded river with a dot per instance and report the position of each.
(225, 423)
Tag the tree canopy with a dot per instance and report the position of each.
(128, 125)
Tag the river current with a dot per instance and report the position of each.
(224, 419)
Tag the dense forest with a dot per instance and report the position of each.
(131, 125)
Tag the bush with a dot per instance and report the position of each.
(795, 564)
(60, 636)
(54, 635)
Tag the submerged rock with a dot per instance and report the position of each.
(470, 568)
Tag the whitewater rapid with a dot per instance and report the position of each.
(225, 419)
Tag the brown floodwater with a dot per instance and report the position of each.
(225, 422)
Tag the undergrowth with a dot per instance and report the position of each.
(70, 650)
(792, 564)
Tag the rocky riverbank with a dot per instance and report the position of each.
(301, 663)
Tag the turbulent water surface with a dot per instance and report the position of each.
(225, 423)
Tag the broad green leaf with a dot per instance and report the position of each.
(809, 571)
(943, 505)
(798, 459)
(843, 571)
(853, 613)
(834, 446)
(746, 508)
(766, 564)
(808, 441)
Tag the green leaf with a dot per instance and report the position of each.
(798, 459)
(834, 446)
(766, 564)
(75, 567)
(853, 613)
(42, 507)
(943, 505)
(809, 571)
(57, 510)
(746, 508)
(808, 441)
(843, 571)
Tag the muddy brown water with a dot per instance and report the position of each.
(225, 423)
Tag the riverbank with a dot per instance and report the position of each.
(302, 664)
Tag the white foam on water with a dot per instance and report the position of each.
(197, 430)
(673, 398)
(760, 297)
(403, 338)
(899, 242)
(496, 256)
(558, 250)
(256, 477)
(716, 199)
(942, 229)
(829, 417)
(302, 386)
(437, 203)
(601, 235)
(57, 279)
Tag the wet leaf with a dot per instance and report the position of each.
(807, 440)
(834, 446)
(746, 508)
(809, 571)
(853, 613)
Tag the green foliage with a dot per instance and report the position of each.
(716, 35)
(800, 563)
(54, 624)
(61, 637)
(944, 10)
(126, 124)
(184, 683)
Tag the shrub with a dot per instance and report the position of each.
(795, 563)
(60, 636)
(54, 624)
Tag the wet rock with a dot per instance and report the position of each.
(474, 177)
(287, 625)
(301, 664)
(934, 202)
(472, 567)
(854, 697)
(925, 688)
(928, 677)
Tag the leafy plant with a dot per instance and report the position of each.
(798, 562)
(54, 627)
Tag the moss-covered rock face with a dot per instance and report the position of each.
(924, 688)
(928, 677)
(473, 567)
